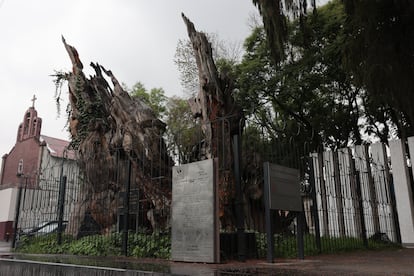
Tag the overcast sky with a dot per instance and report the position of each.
(136, 39)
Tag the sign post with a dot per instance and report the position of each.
(281, 192)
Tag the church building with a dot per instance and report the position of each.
(32, 159)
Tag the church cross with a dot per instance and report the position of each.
(33, 100)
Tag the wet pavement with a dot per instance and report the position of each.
(384, 262)
(5, 247)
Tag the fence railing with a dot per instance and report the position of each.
(348, 201)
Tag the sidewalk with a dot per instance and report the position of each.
(5, 247)
(385, 262)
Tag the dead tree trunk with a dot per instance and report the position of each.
(107, 126)
(220, 119)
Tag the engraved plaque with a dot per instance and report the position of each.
(194, 221)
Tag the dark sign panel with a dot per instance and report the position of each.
(283, 184)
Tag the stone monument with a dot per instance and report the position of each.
(195, 235)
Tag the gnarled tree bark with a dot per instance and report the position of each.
(220, 117)
(108, 125)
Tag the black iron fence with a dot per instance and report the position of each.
(124, 208)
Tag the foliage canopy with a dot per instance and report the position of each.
(377, 53)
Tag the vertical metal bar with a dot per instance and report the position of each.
(324, 195)
(241, 237)
(138, 210)
(23, 214)
(338, 193)
(268, 217)
(223, 143)
(314, 209)
(61, 206)
(299, 235)
(17, 213)
(393, 205)
(361, 210)
(126, 212)
(372, 192)
(358, 164)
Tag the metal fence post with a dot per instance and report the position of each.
(268, 215)
(314, 208)
(299, 234)
(17, 213)
(61, 207)
(394, 212)
(241, 237)
(361, 210)
(126, 212)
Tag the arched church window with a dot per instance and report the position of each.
(20, 167)
(26, 123)
(33, 127)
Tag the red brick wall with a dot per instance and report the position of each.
(28, 151)
(6, 230)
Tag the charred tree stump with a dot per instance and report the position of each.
(220, 117)
(107, 126)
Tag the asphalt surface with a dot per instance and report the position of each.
(384, 262)
(5, 247)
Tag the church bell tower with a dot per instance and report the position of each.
(31, 125)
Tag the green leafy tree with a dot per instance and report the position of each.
(310, 92)
(154, 98)
(224, 53)
(377, 53)
(275, 15)
(183, 131)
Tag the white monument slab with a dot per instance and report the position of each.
(194, 220)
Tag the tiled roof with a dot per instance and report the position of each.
(57, 147)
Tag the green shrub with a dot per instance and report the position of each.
(43, 244)
(156, 245)
(286, 246)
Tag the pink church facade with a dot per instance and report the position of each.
(22, 165)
